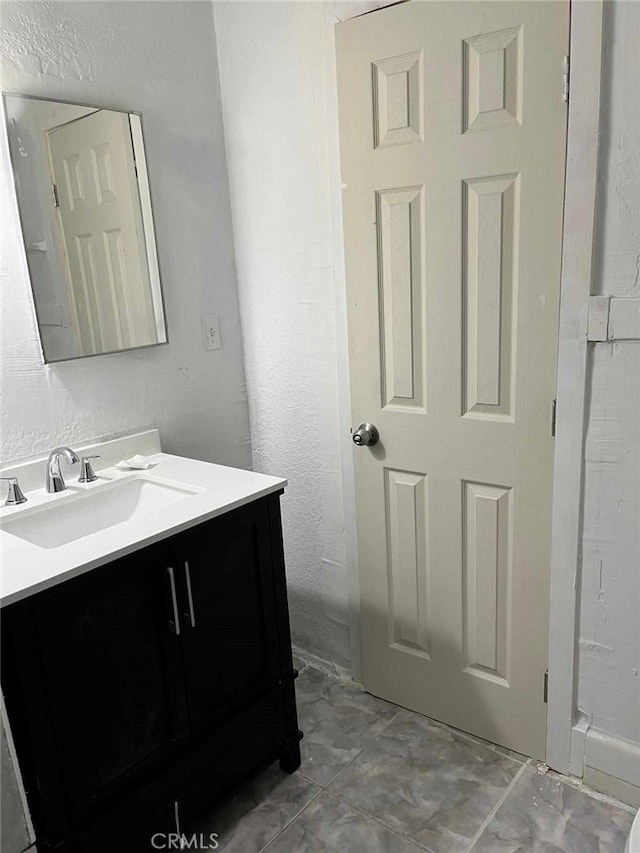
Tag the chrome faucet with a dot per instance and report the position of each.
(54, 479)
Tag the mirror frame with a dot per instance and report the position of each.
(153, 259)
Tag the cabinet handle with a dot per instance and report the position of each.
(176, 815)
(175, 625)
(192, 612)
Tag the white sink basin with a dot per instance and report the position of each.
(77, 513)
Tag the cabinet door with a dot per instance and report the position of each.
(228, 621)
(112, 676)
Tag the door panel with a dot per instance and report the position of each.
(400, 249)
(112, 676)
(406, 508)
(229, 637)
(490, 221)
(453, 135)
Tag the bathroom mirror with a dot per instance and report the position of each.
(85, 208)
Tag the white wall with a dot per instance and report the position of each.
(159, 58)
(276, 71)
(609, 674)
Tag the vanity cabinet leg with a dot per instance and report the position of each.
(290, 760)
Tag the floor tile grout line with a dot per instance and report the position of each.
(371, 735)
(309, 779)
(522, 762)
(293, 819)
(578, 784)
(494, 747)
(366, 738)
(389, 722)
(326, 669)
(393, 830)
(485, 823)
(340, 772)
(410, 838)
(470, 738)
(369, 739)
(313, 782)
(367, 742)
(467, 736)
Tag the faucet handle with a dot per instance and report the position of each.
(87, 474)
(15, 495)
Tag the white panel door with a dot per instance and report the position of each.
(453, 133)
(93, 169)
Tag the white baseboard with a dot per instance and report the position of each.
(600, 751)
(613, 756)
(578, 747)
(625, 793)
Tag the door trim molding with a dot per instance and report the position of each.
(575, 289)
(342, 339)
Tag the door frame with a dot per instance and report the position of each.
(565, 736)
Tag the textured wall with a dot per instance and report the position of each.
(274, 58)
(609, 679)
(127, 55)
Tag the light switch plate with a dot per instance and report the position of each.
(211, 331)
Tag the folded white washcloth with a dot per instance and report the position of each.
(138, 462)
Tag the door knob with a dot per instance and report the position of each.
(365, 435)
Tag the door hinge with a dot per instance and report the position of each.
(55, 196)
(545, 689)
(554, 408)
(565, 79)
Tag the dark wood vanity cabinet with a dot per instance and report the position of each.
(154, 685)
(229, 625)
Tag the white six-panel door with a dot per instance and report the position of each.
(93, 168)
(453, 131)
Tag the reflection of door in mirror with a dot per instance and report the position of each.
(100, 221)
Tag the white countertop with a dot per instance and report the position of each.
(27, 568)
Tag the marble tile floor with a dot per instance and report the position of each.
(376, 778)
